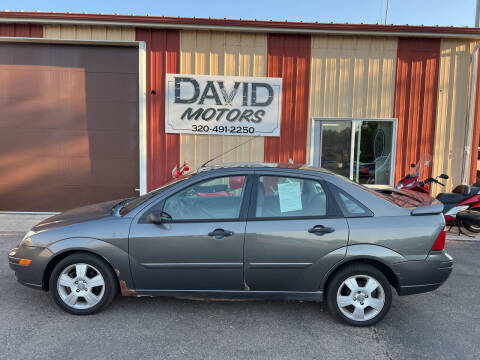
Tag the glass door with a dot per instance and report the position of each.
(360, 149)
(336, 138)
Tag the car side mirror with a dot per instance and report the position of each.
(443, 176)
(159, 218)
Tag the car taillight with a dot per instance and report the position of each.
(440, 242)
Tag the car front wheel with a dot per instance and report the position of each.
(359, 294)
(82, 284)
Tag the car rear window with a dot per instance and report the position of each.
(399, 198)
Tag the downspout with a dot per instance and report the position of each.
(467, 150)
(470, 125)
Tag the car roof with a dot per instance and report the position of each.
(261, 165)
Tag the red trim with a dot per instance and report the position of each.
(21, 30)
(289, 58)
(163, 150)
(241, 23)
(415, 107)
(473, 201)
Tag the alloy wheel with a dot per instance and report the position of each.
(360, 298)
(81, 286)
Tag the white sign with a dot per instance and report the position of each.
(290, 196)
(223, 105)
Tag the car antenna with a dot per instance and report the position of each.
(226, 152)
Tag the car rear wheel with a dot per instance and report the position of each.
(82, 284)
(359, 295)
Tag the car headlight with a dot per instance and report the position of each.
(26, 239)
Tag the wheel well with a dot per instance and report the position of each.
(389, 274)
(51, 265)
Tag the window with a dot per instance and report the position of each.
(285, 197)
(134, 202)
(350, 206)
(361, 149)
(219, 198)
(394, 196)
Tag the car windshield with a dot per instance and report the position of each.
(133, 203)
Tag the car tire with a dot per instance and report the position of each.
(359, 295)
(82, 284)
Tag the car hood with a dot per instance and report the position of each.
(78, 215)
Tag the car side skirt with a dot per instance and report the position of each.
(231, 294)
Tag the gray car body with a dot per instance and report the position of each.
(264, 258)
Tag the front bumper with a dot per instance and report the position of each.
(415, 277)
(31, 275)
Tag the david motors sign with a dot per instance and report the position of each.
(223, 105)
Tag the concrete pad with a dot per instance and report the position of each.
(19, 223)
(453, 235)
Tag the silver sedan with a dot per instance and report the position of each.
(244, 231)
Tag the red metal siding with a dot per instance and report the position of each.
(163, 56)
(289, 58)
(476, 132)
(21, 30)
(415, 106)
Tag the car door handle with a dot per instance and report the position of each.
(220, 233)
(320, 230)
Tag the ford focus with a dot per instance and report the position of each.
(262, 230)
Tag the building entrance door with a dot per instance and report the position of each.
(360, 149)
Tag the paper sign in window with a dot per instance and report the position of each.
(290, 196)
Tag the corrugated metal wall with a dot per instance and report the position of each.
(352, 77)
(476, 132)
(163, 56)
(80, 32)
(289, 58)
(453, 92)
(221, 53)
(21, 30)
(415, 100)
(349, 77)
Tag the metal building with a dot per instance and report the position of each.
(83, 100)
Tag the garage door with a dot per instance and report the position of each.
(68, 125)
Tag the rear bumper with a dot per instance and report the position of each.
(415, 277)
(32, 275)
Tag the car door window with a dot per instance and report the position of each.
(219, 198)
(349, 206)
(287, 196)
